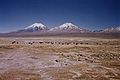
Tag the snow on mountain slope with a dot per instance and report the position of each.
(36, 27)
(67, 27)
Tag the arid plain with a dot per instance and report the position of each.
(59, 58)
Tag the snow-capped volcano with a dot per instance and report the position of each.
(36, 27)
(67, 27)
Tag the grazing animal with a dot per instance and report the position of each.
(86, 43)
(29, 43)
(68, 43)
(17, 42)
(56, 60)
(76, 43)
(33, 42)
(58, 42)
(13, 42)
(41, 42)
(52, 43)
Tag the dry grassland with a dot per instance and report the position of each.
(64, 58)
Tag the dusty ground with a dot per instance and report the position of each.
(89, 59)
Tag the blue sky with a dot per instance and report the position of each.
(90, 14)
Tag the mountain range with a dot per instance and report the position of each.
(66, 28)
(112, 29)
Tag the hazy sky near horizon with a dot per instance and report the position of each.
(90, 14)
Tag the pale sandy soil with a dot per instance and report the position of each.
(90, 59)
